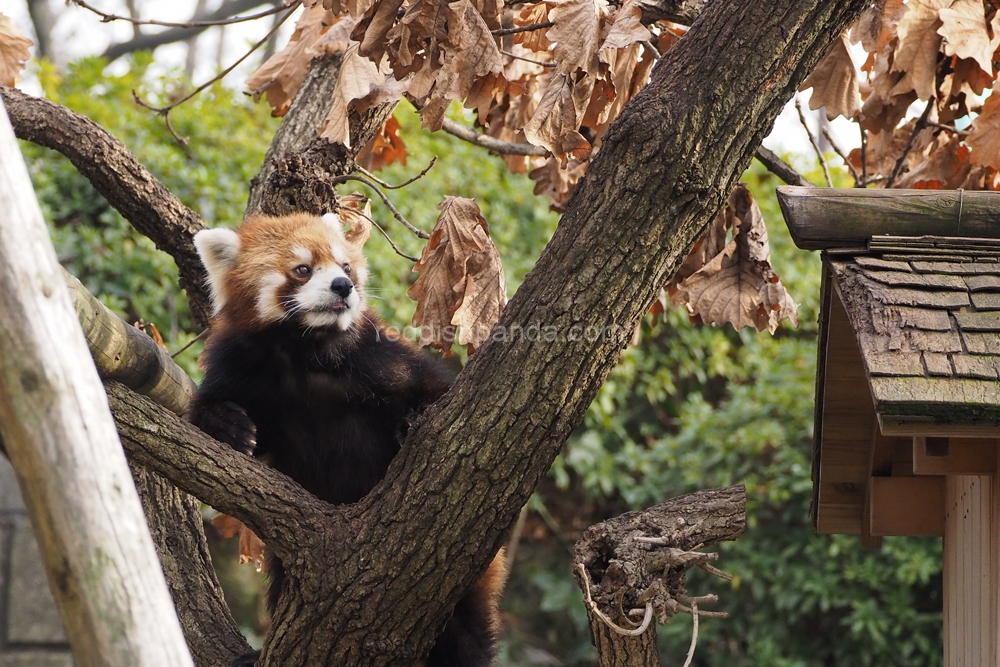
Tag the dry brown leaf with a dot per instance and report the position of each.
(626, 29)
(251, 546)
(473, 67)
(451, 272)
(884, 148)
(966, 33)
(708, 246)
(371, 31)
(485, 296)
(533, 40)
(385, 148)
(359, 80)
(577, 34)
(916, 55)
(490, 11)
(984, 139)
(835, 82)
(556, 182)
(355, 213)
(280, 77)
(738, 285)
(337, 39)
(13, 51)
(944, 164)
(876, 26)
(556, 121)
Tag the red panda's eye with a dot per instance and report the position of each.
(302, 270)
(347, 269)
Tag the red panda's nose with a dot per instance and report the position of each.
(342, 287)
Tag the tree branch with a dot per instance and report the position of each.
(502, 147)
(127, 185)
(124, 353)
(780, 168)
(147, 41)
(281, 512)
(665, 167)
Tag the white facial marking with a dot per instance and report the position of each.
(304, 255)
(338, 253)
(321, 306)
(268, 307)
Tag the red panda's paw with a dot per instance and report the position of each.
(226, 422)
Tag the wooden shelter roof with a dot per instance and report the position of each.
(928, 326)
(909, 349)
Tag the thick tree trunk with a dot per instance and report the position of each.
(60, 437)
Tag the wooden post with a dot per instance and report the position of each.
(971, 581)
(62, 442)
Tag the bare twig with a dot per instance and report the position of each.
(190, 343)
(815, 144)
(165, 110)
(842, 154)
(527, 60)
(404, 183)
(646, 44)
(917, 127)
(385, 199)
(387, 237)
(524, 28)
(694, 636)
(107, 18)
(503, 147)
(148, 41)
(864, 157)
(592, 606)
(711, 569)
(949, 128)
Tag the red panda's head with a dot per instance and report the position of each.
(301, 268)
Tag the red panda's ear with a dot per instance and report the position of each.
(217, 249)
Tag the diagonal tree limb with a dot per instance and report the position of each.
(121, 179)
(280, 511)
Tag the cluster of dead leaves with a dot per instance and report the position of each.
(460, 285)
(940, 53)
(557, 84)
(732, 281)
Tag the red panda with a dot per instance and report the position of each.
(301, 373)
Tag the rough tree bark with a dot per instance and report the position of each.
(370, 584)
(638, 562)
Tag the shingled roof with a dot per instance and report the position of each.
(909, 348)
(928, 326)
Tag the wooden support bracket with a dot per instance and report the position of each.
(955, 456)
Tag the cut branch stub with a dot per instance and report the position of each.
(640, 559)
